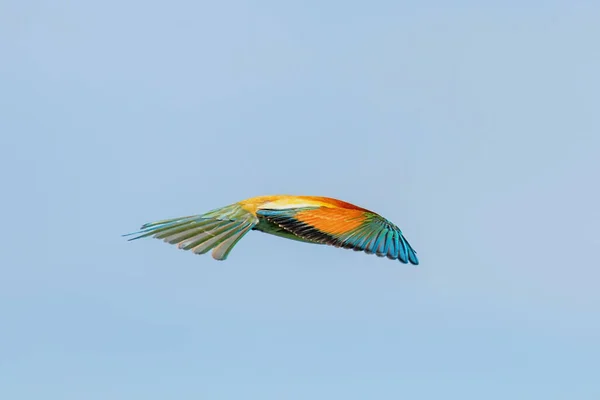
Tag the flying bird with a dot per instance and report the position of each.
(309, 219)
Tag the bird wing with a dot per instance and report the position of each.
(219, 229)
(347, 228)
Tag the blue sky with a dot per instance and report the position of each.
(474, 128)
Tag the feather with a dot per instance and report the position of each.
(221, 228)
(213, 241)
(153, 229)
(382, 247)
(222, 250)
(392, 248)
(205, 235)
(347, 228)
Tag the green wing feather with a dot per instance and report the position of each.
(219, 230)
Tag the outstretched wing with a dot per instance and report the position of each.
(219, 230)
(347, 228)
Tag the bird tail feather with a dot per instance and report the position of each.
(219, 229)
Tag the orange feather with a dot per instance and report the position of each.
(334, 221)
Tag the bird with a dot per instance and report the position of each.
(309, 219)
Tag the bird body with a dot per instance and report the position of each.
(309, 219)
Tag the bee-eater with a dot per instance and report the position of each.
(310, 219)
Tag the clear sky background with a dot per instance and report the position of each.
(473, 127)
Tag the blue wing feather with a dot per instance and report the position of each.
(375, 236)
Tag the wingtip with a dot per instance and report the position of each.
(410, 258)
(411, 261)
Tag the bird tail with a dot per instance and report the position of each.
(219, 229)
